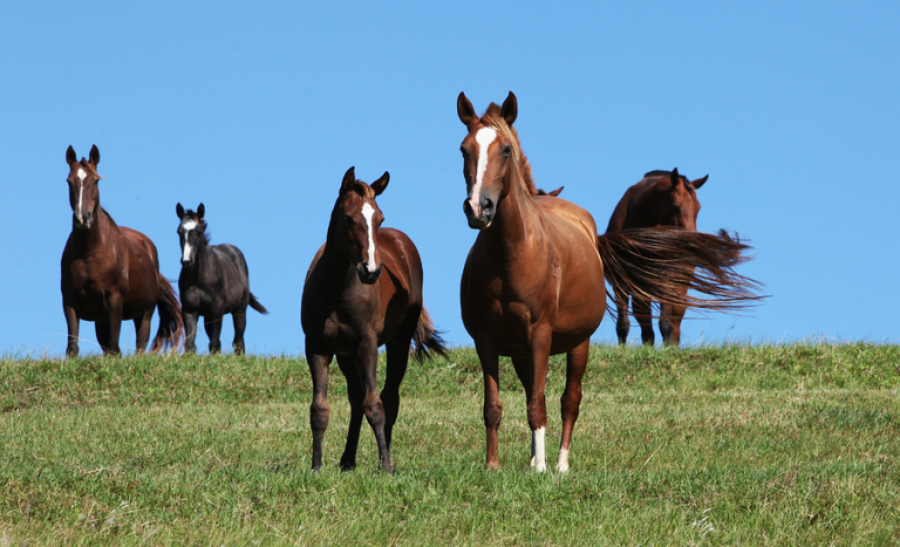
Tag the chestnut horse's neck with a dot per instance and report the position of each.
(98, 236)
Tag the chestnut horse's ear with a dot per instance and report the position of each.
(201, 210)
(349, 179)
(71, 156)
(556, 192)
(510, 109)
(676, 178)
(179, 210)
(380, 184)
(699, 182)
(464, 109)
(95, 155)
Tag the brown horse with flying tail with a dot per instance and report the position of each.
(533, 283)
(661, 198)
(363, 290)
(110, 273)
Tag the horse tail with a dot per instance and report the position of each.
(254, 303)
(661, 264)
(427, 340)
(171, 326)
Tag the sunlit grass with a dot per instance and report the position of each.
(749, 445)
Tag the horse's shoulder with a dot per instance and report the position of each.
(562, 214)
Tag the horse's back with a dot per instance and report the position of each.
(568, 217)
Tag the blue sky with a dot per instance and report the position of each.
(257, 109)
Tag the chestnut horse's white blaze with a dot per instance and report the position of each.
(188, 225)
(484, 138)
(368, 212)
(81, 177)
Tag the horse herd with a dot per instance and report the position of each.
(533, 283)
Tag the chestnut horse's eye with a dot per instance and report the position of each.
(348, 219)
(507, 151)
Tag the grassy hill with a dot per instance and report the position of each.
(742, 445)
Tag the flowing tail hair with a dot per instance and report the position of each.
(171, 326)
(654, 263)
(254, 303)
(427, 340)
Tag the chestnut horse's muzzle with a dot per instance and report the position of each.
(83, 223)
(483, 218)
(366, 276)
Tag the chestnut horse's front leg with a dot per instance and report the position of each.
(73, 325)
(532, 373)
(115, 326)
(366, 360)
(318, 361)
(493, 408)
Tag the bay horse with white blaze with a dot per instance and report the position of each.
(110, 273)
(214, 281)
(661, 198)
(363, 290)
(533, 283)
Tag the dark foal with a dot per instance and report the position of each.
(661, 198)
(214, 281)
(110, 273)
(363, 290)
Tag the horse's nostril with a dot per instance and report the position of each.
(487, 205)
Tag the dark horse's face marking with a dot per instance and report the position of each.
(84, 195)
(357, 219)
(487, 155)
(191, 233)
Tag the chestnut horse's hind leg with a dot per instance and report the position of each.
(493, 409)
(319, 409)
(397, 351)
(73, 325)
(622, 322)
(576, 364)
(240, 325)
(355, 396)
(670, 324)
(644, 316)
(213, 327)
(142, 328)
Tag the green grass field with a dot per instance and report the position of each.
(742, 445)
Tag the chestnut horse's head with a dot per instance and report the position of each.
(490, 154)
(675, 202)
(355, 222)
(191, 233)
(84, 194)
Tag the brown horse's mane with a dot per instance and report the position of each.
(492, 118)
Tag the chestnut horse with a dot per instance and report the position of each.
(111, 273)
(363, 290)
(661, 198)
(214, 281)
(533, 283)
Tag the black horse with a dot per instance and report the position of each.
(214, 281)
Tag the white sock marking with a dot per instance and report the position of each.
(484, 138)
(539, 457)
(368, 212)
(563, 464)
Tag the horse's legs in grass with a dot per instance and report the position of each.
(644, 316)
(239, 317)
(355, 396)
(532, 373)
(493, 409)
(213, 326)
(142, 329)
(190, 331)
(73, 325)
(397, 353)
(576, 364)
(622, 322)
(367, 364)
(319, 410)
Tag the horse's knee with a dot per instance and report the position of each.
(373, 408)
(319, 412)
(493, 412)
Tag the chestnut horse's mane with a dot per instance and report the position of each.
(493, 119)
